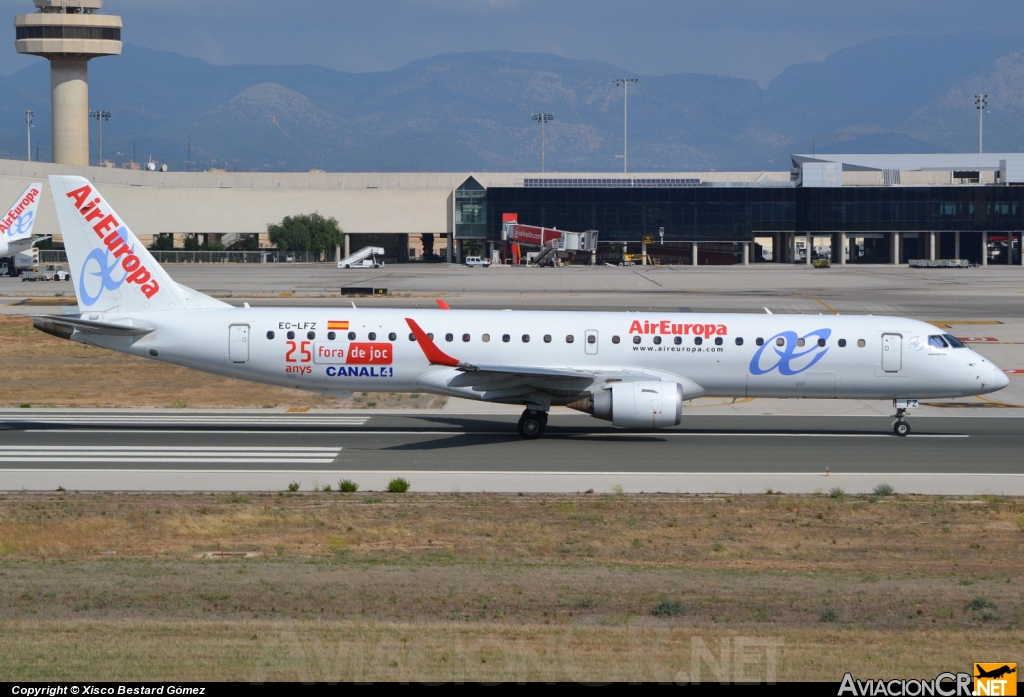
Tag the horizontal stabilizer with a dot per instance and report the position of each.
(65, 324)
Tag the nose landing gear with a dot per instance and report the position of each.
(532, 424)
(900, 427)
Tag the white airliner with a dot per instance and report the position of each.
(635, 369)
(16, 225)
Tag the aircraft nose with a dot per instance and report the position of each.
(1001, 379)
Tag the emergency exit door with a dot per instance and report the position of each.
(892, 352)
(238, 345)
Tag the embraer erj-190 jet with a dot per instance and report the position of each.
(635, 370)
(16, 226)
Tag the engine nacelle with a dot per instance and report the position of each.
(648, 404)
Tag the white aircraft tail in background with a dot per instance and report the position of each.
(111, 269)
(16, 225)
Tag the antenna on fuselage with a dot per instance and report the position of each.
(767, 310)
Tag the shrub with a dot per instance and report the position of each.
(1020, 523)
(667, 608)
(347, 486)
(25, 405)
(717, 547)
(293, 486)
(325, 487)
(829, 614)
(884, 490)
(836, 492)
(398, 485)
(980, 603)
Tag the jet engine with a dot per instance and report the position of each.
(647, 404)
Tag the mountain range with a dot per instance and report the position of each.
(471, 111)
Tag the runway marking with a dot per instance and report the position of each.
(516, 473)
(326, 420)
(131, 453)
(506, 433)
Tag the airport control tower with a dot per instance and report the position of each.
(68, 33)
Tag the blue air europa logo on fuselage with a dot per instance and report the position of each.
(790, 358)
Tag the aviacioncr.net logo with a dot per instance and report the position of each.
(790, 358)
(98, 275)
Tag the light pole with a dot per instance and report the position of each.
(100, 116)
(543, 119)
(624, 81)
(28, 130)
(980, 102)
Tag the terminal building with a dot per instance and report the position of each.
(874, 208)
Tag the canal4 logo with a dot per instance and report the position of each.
(790, 354)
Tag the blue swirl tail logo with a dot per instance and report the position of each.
(98, 265)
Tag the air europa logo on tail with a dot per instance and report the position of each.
(667, 327)
(7, 225)
(115, 237)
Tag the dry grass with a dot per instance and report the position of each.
(315, 651)
(495, 587)
(44, 371)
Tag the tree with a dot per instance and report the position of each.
(163, 240)
(428, 245)
(307, 233)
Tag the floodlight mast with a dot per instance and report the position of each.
(543, 119)
(624, 81)
(29, 114)
(100, 116)
(980, 103)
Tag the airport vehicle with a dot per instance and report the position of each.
(365, 258)
(476, 261)
(635, 369)
(50, 272)
(16, 239)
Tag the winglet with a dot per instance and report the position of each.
(442, 304)
(435, 355)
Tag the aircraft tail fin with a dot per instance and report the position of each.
(111, 270)
(17, 223)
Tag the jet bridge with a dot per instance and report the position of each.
(551, 243)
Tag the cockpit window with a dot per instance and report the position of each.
(937, 341)
(953, 341)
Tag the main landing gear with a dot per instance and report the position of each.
(532, 424)
(900, 427)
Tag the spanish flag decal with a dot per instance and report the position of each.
(335, 324)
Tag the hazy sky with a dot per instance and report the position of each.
(742, 38)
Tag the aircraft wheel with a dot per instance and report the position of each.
(532, 424)
(901, 428)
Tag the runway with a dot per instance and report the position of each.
(83, 449)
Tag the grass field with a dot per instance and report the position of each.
(371, 586)
(41, 370)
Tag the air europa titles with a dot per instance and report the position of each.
(115, 237)
(666, 327)
(12, 215)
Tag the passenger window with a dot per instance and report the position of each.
(485, 338)
(331, 336)
(412, 337)
(800, 342)
(506, 338)
(821, 342)
(391, 337)
(547, 338)
(780, 341)
(615, 339)
(430, 335)
(465, 337)
(351, 336)
(270, 335)
(718, 341)
(953, 341)
(739, 341)
(678, 340)
(449, 337)
(310, 335)
(591, 339)
(842, 343)
(759, 341)
(861, 343)
(698, 340)
(290, 335)
(636, 339)
(569, 338)
(526, 338)
(372, 336)
(657, 340)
